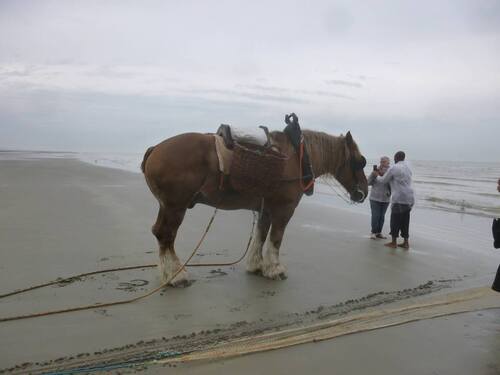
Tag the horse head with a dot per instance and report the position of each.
(350, 172)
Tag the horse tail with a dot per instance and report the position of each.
(146, 156)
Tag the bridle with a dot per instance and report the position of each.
(356, 166)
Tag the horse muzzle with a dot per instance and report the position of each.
(358, 195)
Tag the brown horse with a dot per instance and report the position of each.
(183, 170)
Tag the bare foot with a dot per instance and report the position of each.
(392, 245)
(404, 245)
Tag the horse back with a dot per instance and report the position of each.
(187, 157)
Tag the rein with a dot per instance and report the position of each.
(301, 157)
(338, 193)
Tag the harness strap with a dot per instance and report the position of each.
(301, 156)
(221, 181)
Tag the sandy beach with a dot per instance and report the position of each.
(60, 217)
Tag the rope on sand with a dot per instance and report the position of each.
(122, 302)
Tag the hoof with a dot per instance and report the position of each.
(180, 281)
(184, 283)
(255, 268)
(256, 271)
(283, 276)
(254, 265)
(275, 272)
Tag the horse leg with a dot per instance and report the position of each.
(272, 268)
(165, 230)
(254, 259)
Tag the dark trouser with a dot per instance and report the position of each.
(496, 283)
(400, 220)
(378, 215)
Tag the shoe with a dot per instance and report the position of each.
(373, 236)
(380, 235)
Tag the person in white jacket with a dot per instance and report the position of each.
(399, 177)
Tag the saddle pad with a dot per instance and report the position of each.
(224, 155)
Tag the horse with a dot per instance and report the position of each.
(184, 170)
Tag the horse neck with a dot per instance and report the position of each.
(326, 152)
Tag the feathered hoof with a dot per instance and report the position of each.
(254, 265)
(180, 281)
(184, 283)
(275, 272)
(283, 276)
(254, 268)
(256, 271)
(166, 272)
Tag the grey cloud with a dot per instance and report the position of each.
(110, 71)
(360, 77)
(289, 91)
(17, 71)
(482, 16)
(344, 83)
(327, 94)
(245, 94)
(265, 88)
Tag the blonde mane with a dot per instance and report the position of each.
(328, 152)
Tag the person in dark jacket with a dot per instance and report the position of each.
(496, 244)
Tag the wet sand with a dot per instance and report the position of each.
(59, 217)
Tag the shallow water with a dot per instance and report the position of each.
(468, 187)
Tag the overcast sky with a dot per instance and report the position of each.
(422, 76)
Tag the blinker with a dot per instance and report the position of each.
(358, 164)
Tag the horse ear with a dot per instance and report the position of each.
(347, 146)
(348, 139)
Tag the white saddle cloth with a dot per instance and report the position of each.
(255, 135)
